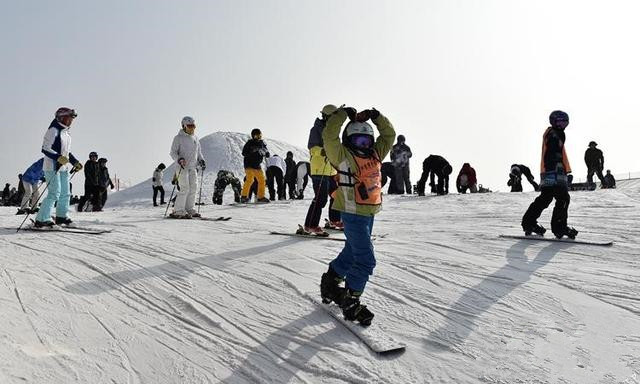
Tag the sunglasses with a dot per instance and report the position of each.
(362, 141)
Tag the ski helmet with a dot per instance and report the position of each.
(515, 171)
(64, 111)
(328, 109)
(256, 132)
(558, 115)
(102, 160)
(593, 144)
(358, 136)
(188, 120)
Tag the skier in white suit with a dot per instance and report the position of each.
(185, 151)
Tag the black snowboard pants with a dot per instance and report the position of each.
(598, 172)
(157, 190)
(560, 211)
(274, 174)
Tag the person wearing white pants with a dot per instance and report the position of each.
(186, 152)
(31, 179)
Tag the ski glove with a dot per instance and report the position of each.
(76, 167)
(63, 160)
(351, 112)
(202, 164)
(368, 114)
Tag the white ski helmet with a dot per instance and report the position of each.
(358, 128)
(188, 120)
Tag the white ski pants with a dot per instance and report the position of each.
(186, 198)
(31, 195)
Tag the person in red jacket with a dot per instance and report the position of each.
(467, 179)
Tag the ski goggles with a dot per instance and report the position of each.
(361, 141)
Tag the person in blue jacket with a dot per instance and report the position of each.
(31, 179)
(56, 147)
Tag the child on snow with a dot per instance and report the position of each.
(254, 152)
(358, 197)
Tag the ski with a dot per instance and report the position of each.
(307, 236)
(373, 336)
(221, 218)
(553, 239)
(57, 228)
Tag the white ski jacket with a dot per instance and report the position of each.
(56, 143)
(157, 178)
(188, 147)
(277, 161)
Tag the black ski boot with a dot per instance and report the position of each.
(330, 289)
(570, 232)
(63, 221)
(22, 211)
(536, 228)
(352, 310)
(43, 224)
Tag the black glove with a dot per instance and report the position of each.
(368, 114)
(202, 164)
(351, 112)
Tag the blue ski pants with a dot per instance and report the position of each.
(356, 261)
(58, 191)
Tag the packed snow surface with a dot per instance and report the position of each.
(186, 301)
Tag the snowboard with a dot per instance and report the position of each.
(373, 336)
(221, 218)
(307, 236)
(553, 239)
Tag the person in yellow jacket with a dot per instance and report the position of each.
(322, 173)
(358, 161)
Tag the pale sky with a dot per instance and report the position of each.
(473, 81)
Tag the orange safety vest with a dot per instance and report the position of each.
(366, 181)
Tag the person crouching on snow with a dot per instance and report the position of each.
(358, 197)
(186, 152)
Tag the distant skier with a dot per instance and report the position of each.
(433, 166)
(31, 179)
(594, 159)
(158, 185)
(467, 179)
(303, 170)
(389, 173)
(554, 170)
(105, 182)
(223, 179)
(322, 173)
(609, 180)
(186, 152)
(6, 194)
(254, 152)
(359, 198)
(91, 182)
(515, 178)
(276, 169)
(400, 155)
(290, 175)
(56, 146)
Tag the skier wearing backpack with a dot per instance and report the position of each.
(56, 147)
(186, 152)
(357, 159)
(555, 169)
(254, 152)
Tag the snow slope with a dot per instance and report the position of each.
(164, 301)
(221, 150)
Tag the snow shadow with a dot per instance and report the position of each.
(170, 270)
(462, 316)
(284, 354)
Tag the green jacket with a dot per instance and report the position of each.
(341, 158)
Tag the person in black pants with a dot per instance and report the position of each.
(291, 175)
(158, 185)
(515, 178)
(91, 183)
(433, 166)
(554, 184)
(594, 159)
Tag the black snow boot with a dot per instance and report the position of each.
(570, 232)
(63, 221)
(535, 228)
(330, 289)
(352, 310)
(44, 224)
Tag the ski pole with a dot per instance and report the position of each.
(40, 197)
(172, 191)
(200, 194)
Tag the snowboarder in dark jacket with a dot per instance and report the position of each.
(433, 166)
(400, 155)
(105, 182)
(515, 177)
(555, 169)
(254, 152)
(594, 160)
(223, 179)
(291, 175)
(609, 180)
(92, 180)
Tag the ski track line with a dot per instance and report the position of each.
(133, 375)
